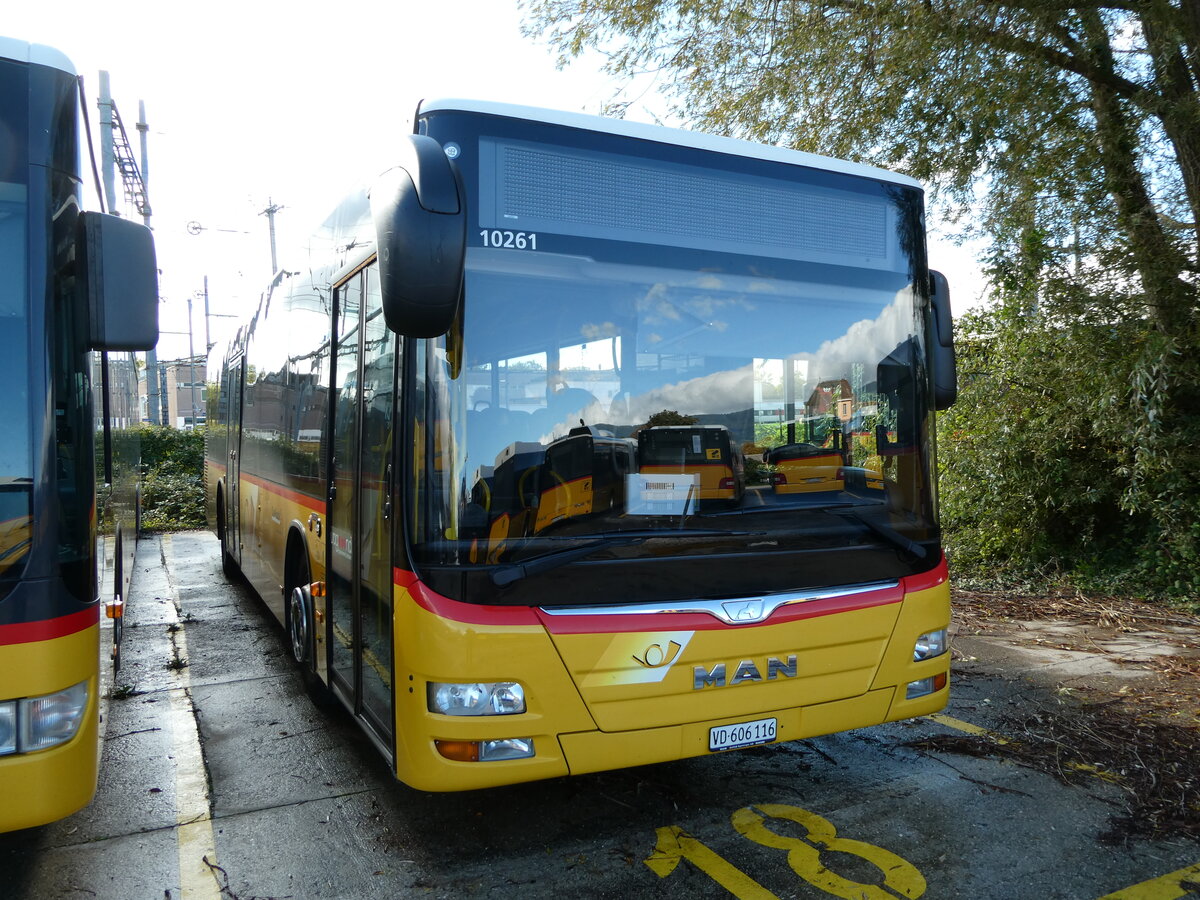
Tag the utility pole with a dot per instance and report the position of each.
(153, 402)
(113, 141)
(191, 363)
(269, 212)
(108, 164)
(207, 332)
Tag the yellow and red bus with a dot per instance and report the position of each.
(704, 453)
(77, 291)
(479, 339)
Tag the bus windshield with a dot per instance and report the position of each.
(16, 454)
(677, 360)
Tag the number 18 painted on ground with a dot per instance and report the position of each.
(900, 877)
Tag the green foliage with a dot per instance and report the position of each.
(669, 417)
(172, 492)
(171, 449)
(1040, 471)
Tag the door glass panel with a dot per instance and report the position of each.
(342, 503)
(375, 514)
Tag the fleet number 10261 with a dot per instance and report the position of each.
(511, 240)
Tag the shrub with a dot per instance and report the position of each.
(172, 491)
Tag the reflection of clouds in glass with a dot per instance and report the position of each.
(866, 341)
(592, 331)
(718, 393)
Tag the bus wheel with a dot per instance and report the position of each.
(300, 624)
(300, 619)
(229, 567)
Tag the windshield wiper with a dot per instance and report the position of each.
(887, 532)
(506, 575)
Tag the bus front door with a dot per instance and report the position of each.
(359, 573)
(232, 526)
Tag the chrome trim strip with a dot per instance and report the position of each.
(733, 611)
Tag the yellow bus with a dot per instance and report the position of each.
(78, 290)
(704, 453)
(477, 558)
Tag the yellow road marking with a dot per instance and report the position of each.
(194, 832)
(1165, 887)
(675, 844)
(960, 725)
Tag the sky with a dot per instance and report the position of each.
(259, 103)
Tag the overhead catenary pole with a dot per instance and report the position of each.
(191, 364)
(153, 402)
(207, 331)
(269, 212)
(108, 165)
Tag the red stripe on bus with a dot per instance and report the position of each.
(457, 611)
(670, 621)
(49, 629)
(472, 614)
(271, 487)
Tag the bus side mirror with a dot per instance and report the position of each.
(420, 216)
(117, 273)
(945, 375)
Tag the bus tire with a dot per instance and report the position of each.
(299, 620)
(229, 567)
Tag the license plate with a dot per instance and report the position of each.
(741, 734)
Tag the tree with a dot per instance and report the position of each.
(1066, 133)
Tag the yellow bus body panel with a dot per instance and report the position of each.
(597, 750)
(604, 710)
(814, 473)
(430, 648)
(836, 656)
(41, 787)
(564, 501)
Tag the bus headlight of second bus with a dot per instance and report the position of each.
(38, 723)
(491, 698)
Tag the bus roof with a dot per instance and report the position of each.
(663, 135)
(38, 54)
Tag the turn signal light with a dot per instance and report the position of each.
(926, 686)
(486, 751)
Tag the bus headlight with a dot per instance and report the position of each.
(8, 727)
(490, 698)
(52, 719)
(929, 645)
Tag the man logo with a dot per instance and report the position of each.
(743, 610)
(654, 656)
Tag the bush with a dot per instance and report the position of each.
(172, 491)
(171, 450)
(1044, 470)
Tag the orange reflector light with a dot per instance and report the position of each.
(317, 589)
(115, 609)
(462, 751)
(939, 681)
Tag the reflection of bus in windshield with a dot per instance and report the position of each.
(78, 290)
(705, 452)
(583, 473)
(802, 468)
(489, 593)
(509, 501)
